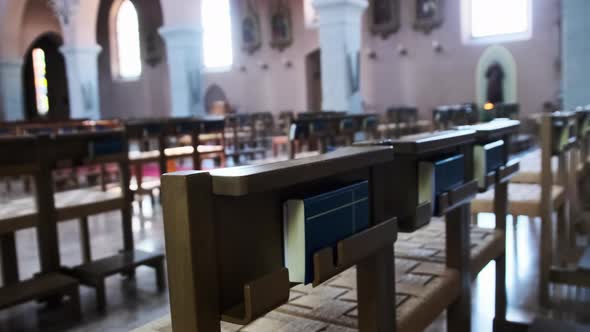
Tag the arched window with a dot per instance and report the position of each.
(497, 20)
(128, 55)
(217, 34)
(40, 77)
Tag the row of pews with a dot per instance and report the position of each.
(417, 259)
(226, 268)
(40, 157)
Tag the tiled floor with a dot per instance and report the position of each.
(132, 303)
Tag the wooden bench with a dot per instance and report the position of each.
(89, 149)
(43, 287)
(22, 156)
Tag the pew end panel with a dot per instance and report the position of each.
(224, 238)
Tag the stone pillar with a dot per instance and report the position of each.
(11, 91)
(340, 43)
(576, 50)
(185, 63)
(82, 73)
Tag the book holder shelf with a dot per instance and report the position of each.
(490, 132)
(410, 151)
(224, 238)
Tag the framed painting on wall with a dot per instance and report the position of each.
(429, 14)
(281, 26)
(251, 40)
(385, 17)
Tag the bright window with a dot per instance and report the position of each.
(217, 35)
(128, 50)
(40, 76)
(498, 20)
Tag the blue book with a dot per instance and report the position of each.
(437, 177)
(318, 222)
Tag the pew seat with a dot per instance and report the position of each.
(524, 199)
(44, 286)
(305, 154)
(141, 157)
(423, 291)
(530, 168)
(94, 273)
(428, 244)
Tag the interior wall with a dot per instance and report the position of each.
(149, 95)
(249, 87)
(426, 79)
(38, 19)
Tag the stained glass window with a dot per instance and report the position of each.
(40, 76)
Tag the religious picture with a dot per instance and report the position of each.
(280, 25)
(495, 80)
(429, 14)
(385, 17)
(251, 30)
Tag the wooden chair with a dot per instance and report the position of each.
(90, 149)
(25, 156)
(542, 200)
(243, 140)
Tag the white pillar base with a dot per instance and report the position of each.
(11, 91)
(82, 73)
(340, 42)
(184, 48)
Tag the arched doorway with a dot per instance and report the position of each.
(45, 63)
(313, 68)
(496, 70)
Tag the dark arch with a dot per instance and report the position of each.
(214, 94)
(313, 64)
(495, 77)
(57, 87)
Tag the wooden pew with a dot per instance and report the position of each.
(449, 116)
(403, 121)
(414, 212)
(190, 132)
(233, 267)
(246, 136)
(92, 149)
(25, 156)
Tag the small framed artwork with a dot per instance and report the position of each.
(251, 40)
(281, 26)
(385, 17)
(429, 14)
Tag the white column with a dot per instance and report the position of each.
(340, 43)
(185, 63)
(576, 53)
(82, 73)
(11, 91)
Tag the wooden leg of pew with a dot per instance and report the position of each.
(500, 210)
(545, 257)
(101, 300)
(474, 219)
(127, 225)
(458, 251)
(562, 245)
(74, 303)
(9, 259)
(376, 295)
(85, 240)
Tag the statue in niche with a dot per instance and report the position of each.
(495, 78)
(385, 17)
(281, 26)
(251, 30)
(429, 14)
